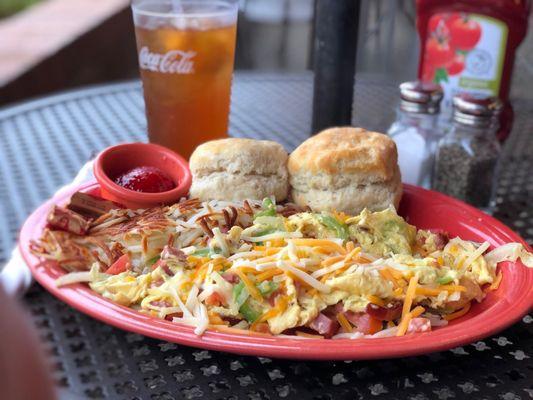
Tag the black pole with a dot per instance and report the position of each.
(336, 27)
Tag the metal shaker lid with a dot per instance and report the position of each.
(476, 110)
(420, 97)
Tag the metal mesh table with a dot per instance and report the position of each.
(45, 142)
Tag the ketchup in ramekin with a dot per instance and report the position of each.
(142, 175)
(146, 179)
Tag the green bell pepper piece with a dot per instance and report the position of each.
(269, 209)
(240, 294)
(265, 232)
(266, 288)
(249, 312)
(444, 280)
(332, 223)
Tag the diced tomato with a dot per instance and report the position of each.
(121, 265)
(364, 322)
(394, 311)
(262, 327)
(215, 299)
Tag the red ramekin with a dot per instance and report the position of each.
(116, 160)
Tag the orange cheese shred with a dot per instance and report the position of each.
(386, 274)
(376, 300)
(268, 274)
(344, 323)
(326, 244)
(407, 303)
(458, 314)
(496, 284)
(331, 260)
(417, 311)
(249, 285)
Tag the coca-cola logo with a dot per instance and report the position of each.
(172, 62)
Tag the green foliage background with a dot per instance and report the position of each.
(9, 7)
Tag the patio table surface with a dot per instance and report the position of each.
(46, 141)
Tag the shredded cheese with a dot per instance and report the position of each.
(474, 256)
(268, 274)
(249, 285)
(305, 277)
(376, 300)
(344, 323)
(496, 284)
(330, 244)
(407, 303)
(73, 277)
(459, 313)
(417, 311)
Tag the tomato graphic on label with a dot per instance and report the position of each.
(438, 26)
(464, 33)
(438, 52)
(457, 65)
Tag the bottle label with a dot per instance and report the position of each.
(464, 53)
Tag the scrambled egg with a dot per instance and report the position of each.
(354, 288)
(382, 233)
(309, 225)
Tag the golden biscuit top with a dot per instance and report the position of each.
(346, 150)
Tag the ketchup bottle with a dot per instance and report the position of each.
(469, 46)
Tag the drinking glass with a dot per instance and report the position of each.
(186, 51)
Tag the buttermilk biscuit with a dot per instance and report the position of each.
(238, 169)
(345, 169)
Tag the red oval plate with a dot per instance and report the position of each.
(423, 208)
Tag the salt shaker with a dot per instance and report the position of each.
(416, 131)
(467, 156)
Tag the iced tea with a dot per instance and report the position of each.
(186, 64)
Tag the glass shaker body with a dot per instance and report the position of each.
(416, 136)
(466, 164)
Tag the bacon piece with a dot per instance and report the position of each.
(230, 277)
(169, 317)
(171, 253)
(332, 311)
(417, 325)
(63, 219)
(160, 303)
(390, 313)
(167, 270)
(324, 325)
(91, 206)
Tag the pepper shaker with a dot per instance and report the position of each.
(467, 156)
(416, 131)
